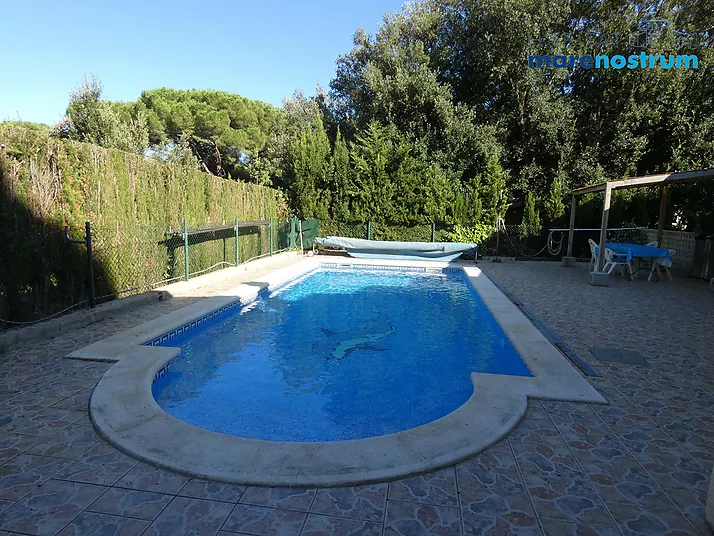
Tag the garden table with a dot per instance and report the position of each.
(637, 252)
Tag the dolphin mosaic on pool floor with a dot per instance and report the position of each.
(639, 466)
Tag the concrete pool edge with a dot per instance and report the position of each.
(127, 416)
(123, 410)
(110, 348)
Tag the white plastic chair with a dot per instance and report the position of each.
(672, 253)
(593, 255)
(658, 263)
(652, 244)
(613, 259)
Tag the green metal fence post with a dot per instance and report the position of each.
(90, 261)
(293, 232)
(185, 247)
(369, 229)
(433, 232)
(270, 234)
(302, 250)
(236, 229)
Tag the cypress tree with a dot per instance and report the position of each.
(554, 207)
(531, 219)
(341, 167)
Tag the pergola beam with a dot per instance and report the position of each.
(593, 188)
(647, 180)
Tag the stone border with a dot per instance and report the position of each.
(548, 333)
(125, 413)
(110, 348)
(15, 337)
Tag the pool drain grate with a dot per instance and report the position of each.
(548, 333)
(617, 355)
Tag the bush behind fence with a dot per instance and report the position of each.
(141, 257)
(131, 201)
(134, 258)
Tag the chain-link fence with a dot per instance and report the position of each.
(132, 259)
(543, 243)
(138, 258)
(41, 274)
(518, 241)
(129, 259)
(340, 228)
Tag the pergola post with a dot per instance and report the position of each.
(603, 226)
(598, 277)
(664, 195)
(569, 260)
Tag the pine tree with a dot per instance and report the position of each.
(372, 187)
(311, 170)
(475, 208)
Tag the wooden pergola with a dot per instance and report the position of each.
(663, 181)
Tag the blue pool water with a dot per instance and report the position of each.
(339, 354)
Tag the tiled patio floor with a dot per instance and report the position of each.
(638, 466)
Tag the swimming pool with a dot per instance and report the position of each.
(338, 354)
(125, 412)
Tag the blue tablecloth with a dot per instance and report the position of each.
(658, 255)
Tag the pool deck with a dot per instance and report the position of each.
(638, 466)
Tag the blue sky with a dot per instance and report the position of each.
(259, 49)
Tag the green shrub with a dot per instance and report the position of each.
(472, 234)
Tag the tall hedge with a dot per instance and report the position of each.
(131, 201)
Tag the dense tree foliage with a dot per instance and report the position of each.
(438, 117)
(109, 124)
(223, 131)
(453, 76)
(218, 132)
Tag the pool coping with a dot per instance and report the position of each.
(123, 409)
(548, 333)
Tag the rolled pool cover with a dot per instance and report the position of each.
(380, 249)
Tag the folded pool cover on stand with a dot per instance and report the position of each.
(310, 229)
(376, 249)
